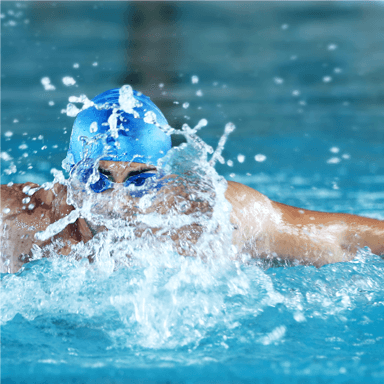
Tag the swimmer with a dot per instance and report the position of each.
(118, 142)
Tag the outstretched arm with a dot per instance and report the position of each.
(271, 229)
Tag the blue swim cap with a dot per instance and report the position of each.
(122, 125)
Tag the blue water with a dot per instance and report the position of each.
(172, 319)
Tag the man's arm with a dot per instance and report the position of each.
(25, 210)
(272, 229)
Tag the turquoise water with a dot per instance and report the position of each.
(301, 82)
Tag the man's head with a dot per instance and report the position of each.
(121, 129)
(122, 125)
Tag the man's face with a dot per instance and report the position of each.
(120, 171)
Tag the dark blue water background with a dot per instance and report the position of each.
(302, 81)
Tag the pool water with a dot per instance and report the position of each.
(301, 82)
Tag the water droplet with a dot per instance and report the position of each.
(72, 110)
(26, 200)
(333, 160)
(150, 117)
(240, 158)
(6, 210)
(47, 84)
(67, 80)
(5, 156)
(260, 157)
(93, 127)
(278, 80)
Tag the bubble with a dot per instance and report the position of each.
(346, 156)
(199, 93)
(76, 65)
(68, 81)
(285, 26)
(15, 121)
(6, 210)
(260, 157)
(8, 134)
(161, 85)
(327, 79)
(51, 103)
(185, 105)
(23, 146)
(337, 70)
(194, 79)
(332, 47)
(230, 163)
(26, 200)
(95, 64)
(31, 206)
(296, 92)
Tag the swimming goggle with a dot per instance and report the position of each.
(84, 171)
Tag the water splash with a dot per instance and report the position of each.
(175, 245)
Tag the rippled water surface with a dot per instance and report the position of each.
(302, 84)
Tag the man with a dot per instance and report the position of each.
(115, 144)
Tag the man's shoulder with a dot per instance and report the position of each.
(242, 193)
(26, 197)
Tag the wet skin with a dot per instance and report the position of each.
(262, 227)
